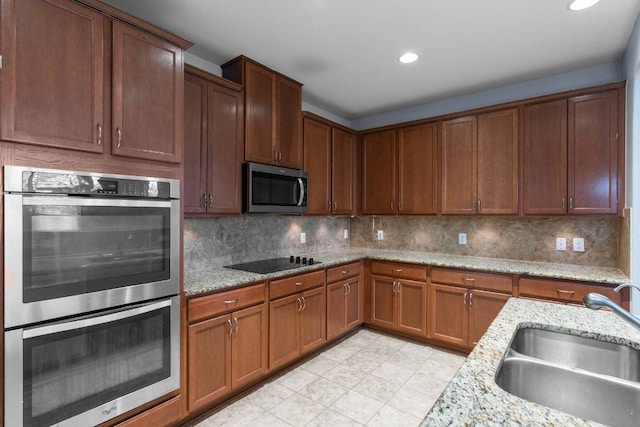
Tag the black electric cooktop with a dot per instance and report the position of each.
(274, 264)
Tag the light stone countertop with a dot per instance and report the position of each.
(472, 398)
(218, 278)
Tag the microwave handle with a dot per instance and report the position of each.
(94, 320)
(301, 183)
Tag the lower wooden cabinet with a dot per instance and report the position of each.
(344, 306)
(226, 352)
(163, 414)
(297, 325)
(399, 304)
(567, 292)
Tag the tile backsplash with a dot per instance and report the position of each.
(214, 242)
(530, 239)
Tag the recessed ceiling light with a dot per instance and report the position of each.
(582, 4)
(408, 58)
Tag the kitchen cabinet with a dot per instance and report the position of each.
(273, 113)
(213, 144)
(229, 350)
(165, 413)
(479, 164)
(399, 297)
(297, 317)
(567, 292)
(344, 299)
(329, 155)
(400, 171)
(463, 304)
(61, 101)
(571, 155)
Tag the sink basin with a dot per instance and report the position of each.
(585, 377)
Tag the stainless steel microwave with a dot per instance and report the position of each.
(274, 189)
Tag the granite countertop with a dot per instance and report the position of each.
(219, 278)
(472, 398)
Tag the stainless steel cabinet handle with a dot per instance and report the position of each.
(392, 206)
(470, 298)
(275, 155)
(119, 137)
(304, 304)
(562, 291)
(335, 206)
(210, 200)
(468, 279)
(230, 327)
(349, 286)
(231, 301)
(237, 325)
(473, 205)
(204, 200)
(345, 289)
(479, 205)
(570, 202)
(299, 283)
(329, 205)
(399, 286)
(99, 134)
(465, 298)
(563, 203)
(345, 272)
(299, 304)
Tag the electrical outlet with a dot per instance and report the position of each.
(345, 233)
(561, 244)
(380, 234)
(303, 237)
(578, 244)
(462, 238)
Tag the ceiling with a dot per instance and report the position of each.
(345, 51)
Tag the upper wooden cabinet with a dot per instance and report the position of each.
(329, 155)
(479, 164)
(400, 171)
(213, 144)
(571, 155)
(54, 95)
(147, 96)
(273, 113)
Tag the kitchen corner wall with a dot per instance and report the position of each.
(530, 239)
(215, 242)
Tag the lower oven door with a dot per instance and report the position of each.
(87, 370)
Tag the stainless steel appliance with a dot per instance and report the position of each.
(91, 305)
(274, 189)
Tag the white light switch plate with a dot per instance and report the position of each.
(380, 234)
(346, 233)
(303, 237)
(561, 244)
(578, 244)
(462, 238)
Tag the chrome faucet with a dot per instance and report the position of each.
(595, 301)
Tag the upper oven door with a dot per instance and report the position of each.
(67, 255)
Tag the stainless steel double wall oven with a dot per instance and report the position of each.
(91, 285)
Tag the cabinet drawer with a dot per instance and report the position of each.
(301, 282)
(212, 305)
(490, 282)
(405, 271)
(564, 291)
(343, 271)
(164, 414)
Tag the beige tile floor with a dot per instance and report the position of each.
(369, 379)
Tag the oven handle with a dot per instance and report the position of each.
(115, 315)
(301, 183)
(90, 201)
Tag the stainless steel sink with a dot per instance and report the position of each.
(585, 377)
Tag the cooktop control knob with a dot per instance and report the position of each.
(292, 259)
(297, 260)
(304, 260)
(310, 261)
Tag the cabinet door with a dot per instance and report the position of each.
(224, 153)
(52, 74)
(354, 304)
(317, 163)
(342, 167)
(498, 162)
(593, 154)
(249, 348)
(412, 307)
(313, 326)
(378, 173)
(195, 145)
(458, 166)
(449, 314)
(209, 360)
(336, 309)
(382, 301)
(417, 169)
(545, 158)
(260, 111)
(289, 123)
(284, 336)
(147, 96)
(483, 308)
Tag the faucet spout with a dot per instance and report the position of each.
(596, 301)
